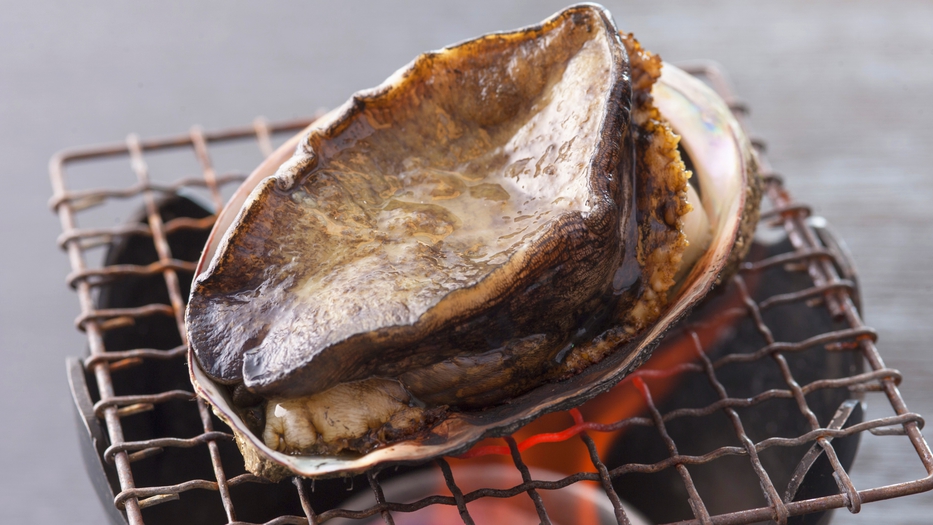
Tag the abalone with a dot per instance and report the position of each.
(490, 234)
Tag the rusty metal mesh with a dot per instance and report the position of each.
(145, 451)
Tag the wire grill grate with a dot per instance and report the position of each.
(127, 416)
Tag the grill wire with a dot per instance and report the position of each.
(115, 402)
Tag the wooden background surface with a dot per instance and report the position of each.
(841, 91)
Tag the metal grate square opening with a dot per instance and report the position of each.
(772, 369)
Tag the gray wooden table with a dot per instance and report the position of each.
(841, 90)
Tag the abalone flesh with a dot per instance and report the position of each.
(492, 233)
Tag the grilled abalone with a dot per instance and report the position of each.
(491, 233)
